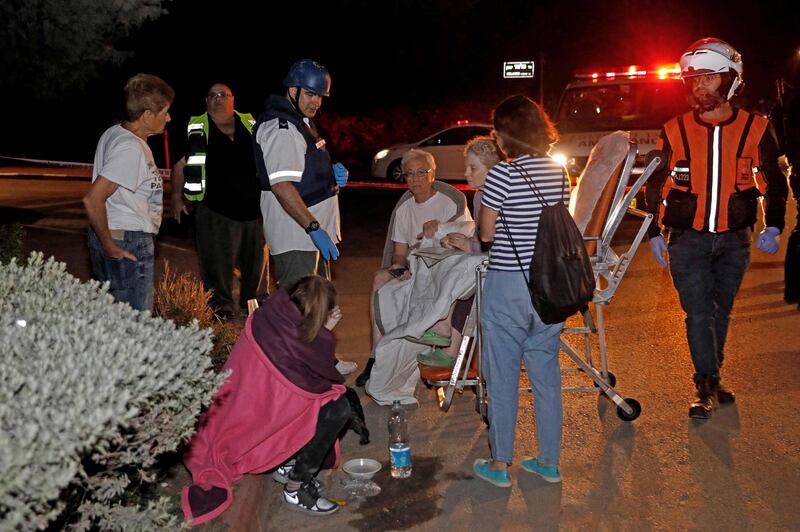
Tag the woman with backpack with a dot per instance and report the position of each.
(512, 331)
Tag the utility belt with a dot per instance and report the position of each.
(681, 205)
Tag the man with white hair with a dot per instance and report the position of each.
(418, 214)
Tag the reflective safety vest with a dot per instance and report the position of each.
(715, 176)
(194, 184)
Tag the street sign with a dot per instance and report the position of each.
(518, 69)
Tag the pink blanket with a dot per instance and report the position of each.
(257, 420)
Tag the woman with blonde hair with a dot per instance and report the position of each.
(480, 154)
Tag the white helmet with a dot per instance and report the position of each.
(713, 56)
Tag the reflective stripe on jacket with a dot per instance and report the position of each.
(711, 167)
(194, 185)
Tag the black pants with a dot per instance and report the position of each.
(791, 290)
(331, 420)
(222, 244)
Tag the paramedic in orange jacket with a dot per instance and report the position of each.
(719, 161)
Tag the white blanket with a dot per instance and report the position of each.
(409, 308)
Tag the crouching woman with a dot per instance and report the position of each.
(282, 407)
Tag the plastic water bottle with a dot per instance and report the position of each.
(399, 449)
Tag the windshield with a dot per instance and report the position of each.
(626, 106)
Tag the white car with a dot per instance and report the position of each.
(446, 146)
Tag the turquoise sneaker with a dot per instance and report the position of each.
(501, 479)
(549, 473)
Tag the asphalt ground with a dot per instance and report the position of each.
(663, 471)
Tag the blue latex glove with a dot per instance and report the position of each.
(341, 174)
(658, 247)
(768, 240)
(324, 244)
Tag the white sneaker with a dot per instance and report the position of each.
(308, 501)
(345, 367)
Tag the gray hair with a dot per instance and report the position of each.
(416, 153)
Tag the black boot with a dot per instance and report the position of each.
(724, 395)
(362, 379)
(703, 406)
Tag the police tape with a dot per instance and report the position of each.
(164, 172)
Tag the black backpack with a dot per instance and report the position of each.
(560, 277)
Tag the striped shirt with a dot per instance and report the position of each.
(506, 191)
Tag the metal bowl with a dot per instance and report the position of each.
(361, 467)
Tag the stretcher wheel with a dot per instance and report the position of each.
(635, 406)
(612, 381)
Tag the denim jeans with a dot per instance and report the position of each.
(512, 331)
(707, 270)
(131, 281)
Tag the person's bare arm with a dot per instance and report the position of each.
(486, 224)
(399, 255)
(292, 203)
(178, 205)
(95, 203)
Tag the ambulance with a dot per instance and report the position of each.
(632, 98)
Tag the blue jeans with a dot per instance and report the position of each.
(707, 270)
(131, 281)
(512, 331)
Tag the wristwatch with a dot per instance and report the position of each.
(313, 226)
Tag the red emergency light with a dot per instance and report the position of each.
(665, 71)
(462, 123)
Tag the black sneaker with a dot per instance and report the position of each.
(281, 476)
(307, 500)
(362, 379)
(281, 473)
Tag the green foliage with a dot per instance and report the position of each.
(92, 392)
(50, 46)
(10, 242)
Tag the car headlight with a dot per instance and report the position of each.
(381, 154)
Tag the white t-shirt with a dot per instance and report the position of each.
(125, 159)
(285, 160)
(410, 217)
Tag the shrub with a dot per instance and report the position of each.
(182, 299)
(10, 242)
(92, 392)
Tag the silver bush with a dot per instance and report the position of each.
(91, 393)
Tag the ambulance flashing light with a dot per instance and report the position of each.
(666, 71)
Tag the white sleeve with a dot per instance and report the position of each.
(123, 164)
(401, 221)
(284, 150)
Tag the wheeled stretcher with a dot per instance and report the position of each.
(598, 210)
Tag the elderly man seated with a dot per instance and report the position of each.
(415, 221)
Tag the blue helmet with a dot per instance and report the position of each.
(309, 75)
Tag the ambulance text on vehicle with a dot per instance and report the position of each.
(631, 98)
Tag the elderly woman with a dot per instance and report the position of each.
(512, 330)
(480, 154)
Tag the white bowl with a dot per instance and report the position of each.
(361, 467)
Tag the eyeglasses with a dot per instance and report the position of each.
(218, 94)
(418, 173)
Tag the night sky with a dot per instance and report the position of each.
(414, 56)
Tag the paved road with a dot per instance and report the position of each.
(739, 471)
